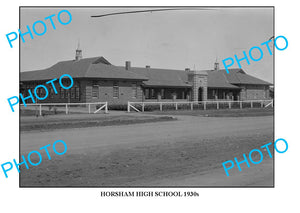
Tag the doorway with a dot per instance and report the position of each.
(200, 94)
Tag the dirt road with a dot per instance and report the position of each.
(186, 152)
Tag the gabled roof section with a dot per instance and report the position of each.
(96, 67)
(218, 80)
(104, 71)
(239, 76)
(102, 60)
(163, 77)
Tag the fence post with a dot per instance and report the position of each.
(204, 105)
(176, 107)
(89, 108)
(241, 105)
(261, 104)
(40, 109)
(66, 109)
(128, 106)
(191, 105)
(160, 106)
(106, 108)
(251, 104)
(229, 105)
(217, 104)
(143, 107)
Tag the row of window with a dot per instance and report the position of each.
(73, 93)
(116, 90)
(166, 93)
(221, 94)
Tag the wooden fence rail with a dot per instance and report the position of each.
(103, 107)
(190, 104)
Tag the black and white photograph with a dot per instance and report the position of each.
(146, 96)
(149, 106)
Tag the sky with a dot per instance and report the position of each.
(182, 39)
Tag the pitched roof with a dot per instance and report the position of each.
(238, 76)
(96, 67)
(163, 77)
(218, 80)
(179, 78)
(99, 67)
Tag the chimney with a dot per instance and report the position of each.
(187, 69)
(148, 66)
(216, 66)
(127, 65)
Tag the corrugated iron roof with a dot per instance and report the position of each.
(163, 77)
(218, 80)
(99, 67)
(96, 67)
(238, 76)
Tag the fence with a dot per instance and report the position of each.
(199, 105)
(66, 107)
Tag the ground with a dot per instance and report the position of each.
(188, 151)
(222, 112)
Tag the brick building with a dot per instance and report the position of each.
(95, 80)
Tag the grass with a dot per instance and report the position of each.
(69, 121)
(48, 123)
(221, 112)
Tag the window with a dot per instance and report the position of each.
(116, 89)
(147, 94)
(152, 95)
(77, 92)
(62, 93)
(95, 91)
(73, 92)
(37, 91)
(134, 90)
(51, 92)
(162, 93)
(67, 94)
(41, 92)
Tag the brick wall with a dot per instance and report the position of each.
(105, 88)
(254, 92)
(198, 79)
(55, 98)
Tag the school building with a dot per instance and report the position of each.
(97, 80)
